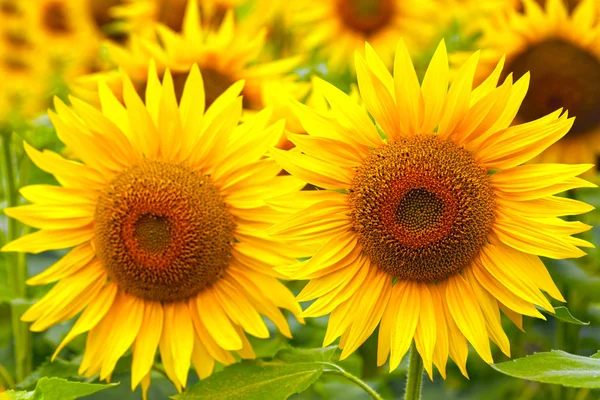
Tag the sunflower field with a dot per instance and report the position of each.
(305, 199)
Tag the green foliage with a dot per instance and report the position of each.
(562, 313)
(58, 368)
(58, 389)
(556, 367)
(290, 371)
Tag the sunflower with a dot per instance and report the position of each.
(166, 218)
(141, 16)
(337, 28)
(431, 231)
(562, 52)
(63, 26)
(223, 54)
(19, 68)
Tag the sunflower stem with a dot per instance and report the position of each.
(16, 265)
(337, 370)
(414, 378)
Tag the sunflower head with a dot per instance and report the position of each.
(338, 28)
(428, 223)
(165, 212)
(223, 54)
(554, 42)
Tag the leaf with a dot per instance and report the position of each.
(596, 355)
(58, 368)
(291, 354)
(291, 371)
(14, 395)
(562, 313)
(557, 367)
(62, 389)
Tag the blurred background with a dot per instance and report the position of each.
(72, 47)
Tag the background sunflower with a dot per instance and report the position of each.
(290, 53)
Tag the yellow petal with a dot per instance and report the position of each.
(177, 315)
(68, 265)
(426, 333)
(217, 322)
(92, 314)
(406, 296)
(467, 315)
(50, 239)
(434, 89)
(409, 101)
(377, 99)
(146, 342)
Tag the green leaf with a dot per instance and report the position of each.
(58, 368)
(556, 367)
(562, 313)
(290, 371)
(596, 355)
(20, 395)
(291, 354)
(62, 389)
(58, 389)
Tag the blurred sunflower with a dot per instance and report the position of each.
(429, 232)
(165, 215)
(337, 28)
(19, 67)
(63, 26)
(223, 54)
(141, 16)
(562, 52)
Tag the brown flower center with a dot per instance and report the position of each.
(215, 84)
(55, 18)
(163, 231)
(101, 11)
(562, 75)
(15, 64)
(172, 14)
(422, 208)
(365, 16)
(9, 8)
(17, 39)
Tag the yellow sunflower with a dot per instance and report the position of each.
(339, 27)
(11, 9)
(429, 232)
(166, 218)
(63, 26)
(24, 89)
(141, 16)
(562, 52)
(223, 54)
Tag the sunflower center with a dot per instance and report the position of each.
(215, 84)
(16, 39)
(562, 75)
(419, 211)
(172, 14)
(101, 11)
(365, 16)
(422, 208)
(55, 18)
(163, 231)
(9, 7)
(15, 64)
(152, 232)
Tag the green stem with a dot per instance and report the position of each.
(11, 200)
(337, 370)
(17, 268)
(6, 378)
(414, 377)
